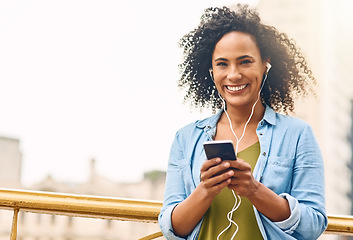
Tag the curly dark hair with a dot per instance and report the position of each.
(289, 74)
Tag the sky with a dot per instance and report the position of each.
(83, 79)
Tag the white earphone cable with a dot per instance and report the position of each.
(237, 199)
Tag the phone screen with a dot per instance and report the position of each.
(220, 148)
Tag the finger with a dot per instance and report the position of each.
(240, 165)
(218, 188)
(219, 179)
(214, 170)
(209, 163)
(206, 166)
(241, 177)
(242, 185)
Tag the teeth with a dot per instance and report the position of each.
(237, 88)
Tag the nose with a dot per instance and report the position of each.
(234, 74)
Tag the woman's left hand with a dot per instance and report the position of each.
(264, 199)
(243, 182)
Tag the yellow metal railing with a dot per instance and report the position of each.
(79, 206)
(110, 208)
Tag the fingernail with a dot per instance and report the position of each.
(226, 164)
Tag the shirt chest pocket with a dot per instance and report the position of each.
(278, 174)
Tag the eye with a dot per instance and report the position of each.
(221, 64)
(245, 61)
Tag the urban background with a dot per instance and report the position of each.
(322, 28)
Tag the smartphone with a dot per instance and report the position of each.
(220, 148)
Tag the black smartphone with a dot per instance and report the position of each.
(220, 148)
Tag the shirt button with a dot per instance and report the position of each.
(260, 134)
(262, 123)
(208, 127)
(264, 153)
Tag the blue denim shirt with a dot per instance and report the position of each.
(290, 164)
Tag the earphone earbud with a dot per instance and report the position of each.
(211, 73)
(268, 65)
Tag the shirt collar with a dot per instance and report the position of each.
(270, 115)
(211, 122)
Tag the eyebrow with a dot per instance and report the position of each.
(238, 58)
(244, 56)
(221, 59)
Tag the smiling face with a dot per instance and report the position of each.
(238, 69)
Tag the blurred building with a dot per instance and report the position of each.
(10, 162)
(322, 29)
(33, 226)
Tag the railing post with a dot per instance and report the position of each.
(14, 225)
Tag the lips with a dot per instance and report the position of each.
(236, 88)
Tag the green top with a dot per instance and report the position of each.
(215, 220)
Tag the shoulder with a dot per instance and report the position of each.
(290, 121)
(281, 120)
(292, 127)
(286, 125)
(200, 125)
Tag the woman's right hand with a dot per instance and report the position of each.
(215, 175)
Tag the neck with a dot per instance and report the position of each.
(239, 116)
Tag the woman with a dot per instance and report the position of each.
(249, 72)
